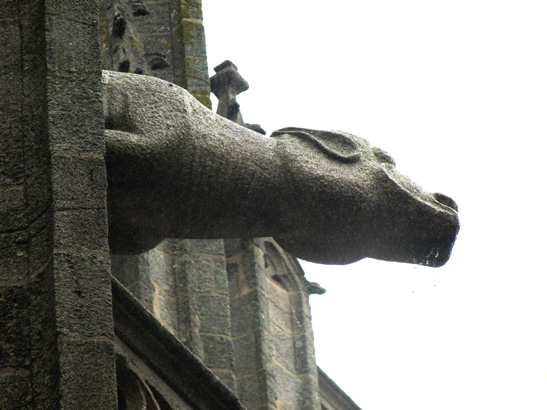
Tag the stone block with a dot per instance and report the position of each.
(253, 391)
(308, 397)
(12, 154)
(10, 38)
(128, 268)
(281, 312)
(214, 314)
(301, 312)
(165, 307)
(203, 96)
(287, 389)
(40, 241)
(157, 21)
(16, 388)
(29, 6)
(45, 381)
(144, 292)
(87, 374)
(75, 113)
(83, 291)
(249, 312)
(304, 354)
(38, 194)
(160, 268)
(253, 266)
(221, 277)
(182, 267)
(33, 47)
(9, 12)
(13, 208)
(235, 246)
(196, 85)
(42, 311)
(34, 128)
(247, 353)
(218, 352)
(284, 349)
(228, 379)
(209, 246)
(200, 268)
(190, 35)
(81, 228)
(133, 271)
(190, 9)
(79, 11)
(14, 257)
(196, 68)
(14, 343)
(72, 46)
(232, 271)
(79, 181)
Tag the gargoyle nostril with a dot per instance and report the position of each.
(445, 200)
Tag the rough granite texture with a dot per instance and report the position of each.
(184, 284)
(162, 38)
(239, 306)
(177, 170)
(271, 327)
(54, 261)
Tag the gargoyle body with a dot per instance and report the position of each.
(175, 169)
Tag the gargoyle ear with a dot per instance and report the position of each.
(335, 144)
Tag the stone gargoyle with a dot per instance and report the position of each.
(177, 170)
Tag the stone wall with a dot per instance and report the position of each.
(54, 262)
(184, 283)
(72, 337)
(163, 38)
(271, 327)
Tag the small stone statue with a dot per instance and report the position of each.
(175, 169)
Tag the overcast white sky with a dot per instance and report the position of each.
(456, 92)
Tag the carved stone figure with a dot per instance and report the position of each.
(175, 169)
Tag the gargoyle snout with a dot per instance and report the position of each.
(446, 201)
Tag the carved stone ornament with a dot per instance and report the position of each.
(175, 169)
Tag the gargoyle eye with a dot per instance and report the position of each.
(383, 156)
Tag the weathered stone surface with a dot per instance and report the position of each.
(54, 270)
(79, 299)
(79, 181)
(16, 388)
(218, 351)
(70, 94)
(271, 327)
(161, 362)
(86, 363)
(226, 84)
(164, 39)
(177, 170)
(333, 396)
(214, 315)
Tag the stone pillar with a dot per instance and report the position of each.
(203, 304)
(190, 57)
(163, 38)
(56, 338)
(184, 284)
(271, 327)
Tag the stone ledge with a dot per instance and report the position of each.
(332, 396)
(167, 356)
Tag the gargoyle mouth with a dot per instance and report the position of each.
(435, 254)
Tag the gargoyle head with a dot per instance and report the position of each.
(352, 203)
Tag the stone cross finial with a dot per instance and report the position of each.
(226, 84)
